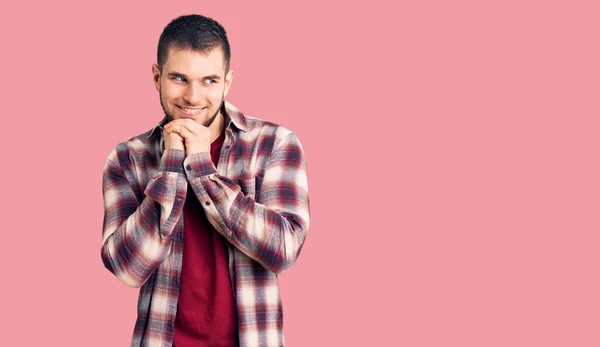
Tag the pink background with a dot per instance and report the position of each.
(452, 150)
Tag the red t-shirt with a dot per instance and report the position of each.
(206, 310)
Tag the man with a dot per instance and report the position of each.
(203, 211)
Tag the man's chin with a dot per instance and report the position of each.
(200, 119)
(197, 119)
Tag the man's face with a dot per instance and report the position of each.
(192, 85)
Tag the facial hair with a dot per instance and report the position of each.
(208, 121)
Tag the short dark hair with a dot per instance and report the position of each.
(193, 32)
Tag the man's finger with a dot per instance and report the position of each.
(177, 124)
(193, 126)
(179, 137)
(182, 131)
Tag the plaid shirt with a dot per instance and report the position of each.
(256, 197)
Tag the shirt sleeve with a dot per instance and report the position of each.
(136, 235)
(270, 230)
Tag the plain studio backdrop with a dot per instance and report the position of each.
(452, 151)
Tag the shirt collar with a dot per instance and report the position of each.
(160, 126)
(235, 116)
(231, 113)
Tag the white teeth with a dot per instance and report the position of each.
(192, 110)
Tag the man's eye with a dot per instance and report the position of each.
(210, 81)
(179, 79)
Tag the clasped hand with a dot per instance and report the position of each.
(187, 134)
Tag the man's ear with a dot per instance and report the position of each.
(228, 81)
(156, 77)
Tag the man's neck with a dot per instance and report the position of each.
(217, 127)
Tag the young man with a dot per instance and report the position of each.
(203, 211)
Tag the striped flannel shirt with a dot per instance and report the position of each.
(256, 197)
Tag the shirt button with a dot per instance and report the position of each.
(169, 324)
(188, 167)
(227, 147)
(207, 203)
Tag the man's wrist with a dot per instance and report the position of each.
(199, 164)
(172, 160)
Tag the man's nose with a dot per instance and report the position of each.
(193, 94)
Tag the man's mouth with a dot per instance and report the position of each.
(191, 111)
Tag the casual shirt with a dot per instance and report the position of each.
(256, 198)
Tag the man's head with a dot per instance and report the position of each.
(192, 72)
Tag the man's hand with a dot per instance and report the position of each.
(173, 141)
(196, 137)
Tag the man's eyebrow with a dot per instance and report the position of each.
(176, 74)
(212, 77)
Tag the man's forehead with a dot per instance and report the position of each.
(191, 62)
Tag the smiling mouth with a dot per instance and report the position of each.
(191, 111)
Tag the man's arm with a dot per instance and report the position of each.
(270, 230)
(136, 237)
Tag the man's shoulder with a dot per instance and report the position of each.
(255, 123)
(138, 142)
(140, 145)
(256, 128)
